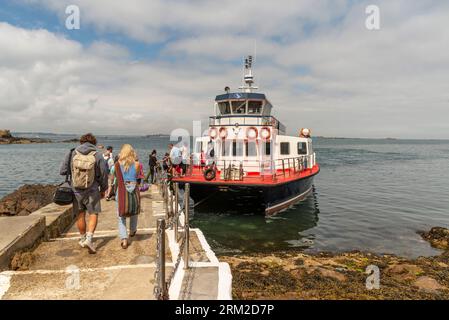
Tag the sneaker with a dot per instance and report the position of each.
(90, 246)
(82, 240)
(81, 243)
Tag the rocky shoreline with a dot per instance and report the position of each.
(296, 275)
(26, 200)
(7, 138)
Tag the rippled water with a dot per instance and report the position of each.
(370, 195)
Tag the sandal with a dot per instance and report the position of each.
(124, 244)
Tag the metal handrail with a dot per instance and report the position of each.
(270, 167)
(261, 120)
(162, 285)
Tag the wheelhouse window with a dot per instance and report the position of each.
(224, 108)
(251, 149)
(238, 107)
(254, 107)
(285, 148)
(302, 148)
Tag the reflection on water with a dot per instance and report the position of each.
(247, 231)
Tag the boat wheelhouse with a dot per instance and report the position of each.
(246, 158)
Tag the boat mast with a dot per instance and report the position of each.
(248, 77)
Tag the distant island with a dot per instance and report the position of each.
(7, 138)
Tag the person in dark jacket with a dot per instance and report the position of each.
(88, 200)
(152, 163)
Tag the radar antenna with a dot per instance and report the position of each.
(248, 77)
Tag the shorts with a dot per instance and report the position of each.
(87, 200)
(111, 179)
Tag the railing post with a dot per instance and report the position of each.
(176, 214)
(163, 293)
(186, 224)
(170, 201)
(283, 167)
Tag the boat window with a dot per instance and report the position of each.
(267, 148)
(224, 107)
(302, 148)
(254, 107)
(199, 146)
(285, 148)
(237, 148)
(226, 148)
(251, 149)
(238, 107)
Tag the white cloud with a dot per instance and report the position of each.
(316, 61)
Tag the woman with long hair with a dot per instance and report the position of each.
(127, 173)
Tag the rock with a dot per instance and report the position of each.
(332, 274)
(26, 200)
(22, 261)
(71, 141)
(7, 138)
(438, 237)
(428, 284)
(6, 134)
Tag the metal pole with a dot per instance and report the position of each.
(162, 284)
(176, 215)
(171, 200)
(283, 167)
(186, 224)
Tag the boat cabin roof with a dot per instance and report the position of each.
(242, 103)
(240, 95)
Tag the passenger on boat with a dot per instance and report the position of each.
(210, 153)
(185, 158)
(304, 133)
(175, 159)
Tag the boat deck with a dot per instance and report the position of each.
(251, 179)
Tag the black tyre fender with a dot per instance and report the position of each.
(209, 174)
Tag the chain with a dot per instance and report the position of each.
(157, 289)
(177, 263)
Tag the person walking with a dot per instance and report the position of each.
(109, 158)
(152, 163)
(127, 171)
(88, 174)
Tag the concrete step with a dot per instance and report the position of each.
(19, 233)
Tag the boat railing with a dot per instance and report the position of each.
(245, 120)
(244, 169)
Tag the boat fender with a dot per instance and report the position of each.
(209, 174)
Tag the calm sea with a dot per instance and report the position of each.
(370, 195)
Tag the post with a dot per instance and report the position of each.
(186, 224)
(163, 294)
(176, 214)
(170, 201)
(283, 167)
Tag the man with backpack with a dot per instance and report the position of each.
(88, 173)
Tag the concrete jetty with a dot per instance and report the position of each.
(40, 258)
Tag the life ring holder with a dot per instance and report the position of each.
(209, 174)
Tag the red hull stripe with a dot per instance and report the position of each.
(252, 179)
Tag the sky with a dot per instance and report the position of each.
(151, 66)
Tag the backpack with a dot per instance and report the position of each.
(83, 170)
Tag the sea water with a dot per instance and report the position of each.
(370, 195)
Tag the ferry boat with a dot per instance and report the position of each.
(246, 159)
